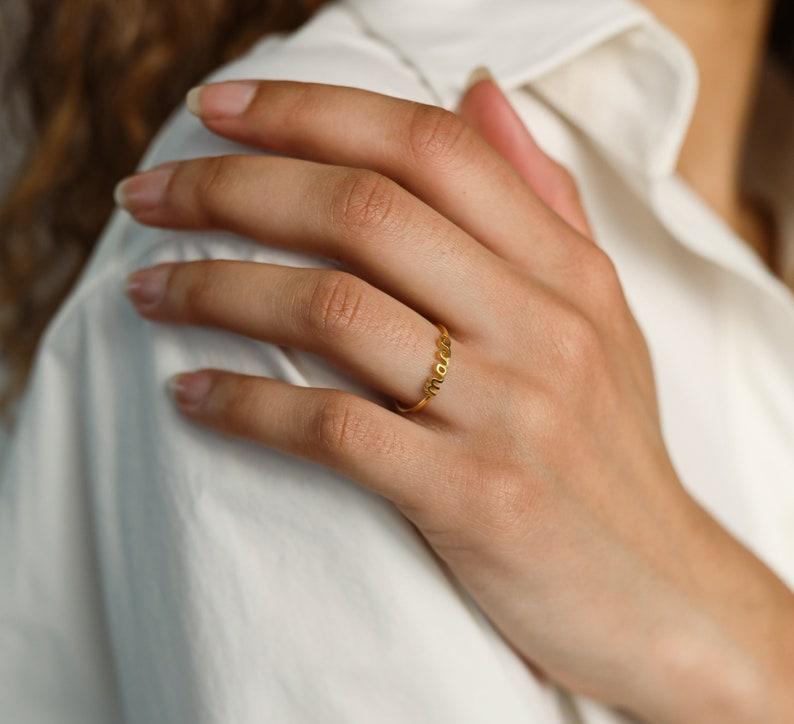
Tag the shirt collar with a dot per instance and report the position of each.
(607, 66)
(579, 55)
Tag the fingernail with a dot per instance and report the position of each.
(220, 100)
(190, 388)
(481, 72)
(144, 191)
(146, 287)
(193, 101)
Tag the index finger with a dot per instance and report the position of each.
(426, 149)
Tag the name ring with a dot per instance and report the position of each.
(433, 383)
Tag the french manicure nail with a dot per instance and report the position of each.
(190, 388)
(144, 191)
(220, 100)
(146, 287)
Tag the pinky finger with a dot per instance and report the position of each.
(379, 449)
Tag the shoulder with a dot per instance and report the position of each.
(332, 47)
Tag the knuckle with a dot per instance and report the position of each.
(596, 262)
(436, 135)
(341, 428)
(235, 403)
(605, 271)
(336, 304)
(602, 279)
(597, 281)
(578, 344)
(542, 416)
(363, 200)
(192, 290)
(214, 184)
(301, 107)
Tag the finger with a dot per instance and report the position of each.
(360, 218)
(384, 451)
(330, 313)
(486, 108)
(426, 149)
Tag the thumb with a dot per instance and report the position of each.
(486, 108)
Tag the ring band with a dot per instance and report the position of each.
(431, 386)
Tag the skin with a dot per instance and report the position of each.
(711, 158)
(550, 503)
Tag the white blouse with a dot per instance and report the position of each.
(153, 571)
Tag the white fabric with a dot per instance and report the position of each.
(153, 571)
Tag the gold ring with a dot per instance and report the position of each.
(431, 386)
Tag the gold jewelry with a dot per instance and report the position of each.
(431, 386)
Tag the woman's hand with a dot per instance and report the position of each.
(538, 472)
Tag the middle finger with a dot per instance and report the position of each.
(426, 149)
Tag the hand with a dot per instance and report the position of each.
(538, 473)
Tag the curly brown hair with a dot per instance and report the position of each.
(91, 82)
(96, 79)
